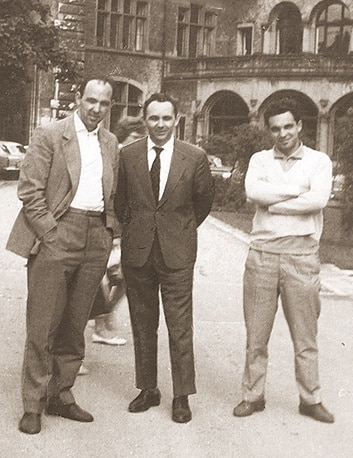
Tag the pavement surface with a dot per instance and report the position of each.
(279, 431)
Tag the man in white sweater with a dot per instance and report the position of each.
(290, 185)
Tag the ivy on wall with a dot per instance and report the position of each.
(344, 164)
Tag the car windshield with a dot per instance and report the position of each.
(19, 149)
(5, 148)
(13, 148)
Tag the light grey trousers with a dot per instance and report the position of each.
(295, 278)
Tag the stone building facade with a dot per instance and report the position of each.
(225, 60)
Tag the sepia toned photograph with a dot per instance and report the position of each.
(176, 228)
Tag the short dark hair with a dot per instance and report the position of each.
(282, 106)
(160, 97)
(82, 86)
(130, 124)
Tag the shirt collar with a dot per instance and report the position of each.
(167, 146)
(80, 127)
(297, 155)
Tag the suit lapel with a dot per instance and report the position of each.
(176, 170)
(71, 151)
(141, 168)
(177, 167)
(108, 160)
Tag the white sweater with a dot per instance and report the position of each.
(288, 203)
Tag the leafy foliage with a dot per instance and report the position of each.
(28, 35)
(235, 148)
(344, 165)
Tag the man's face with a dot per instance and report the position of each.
(285, 132)
(160, 121)
(94, 104)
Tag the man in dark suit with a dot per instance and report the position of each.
(65, 228)
(165, 191)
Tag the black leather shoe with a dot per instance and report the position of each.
(146, 399)
(317, 412)
(30, 423)
(71, 411)
(246, 408)
(181, 409)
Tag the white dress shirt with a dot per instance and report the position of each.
(166, 159)
(89, 194)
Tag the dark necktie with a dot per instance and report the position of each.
(155, 172)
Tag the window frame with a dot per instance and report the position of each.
(122, 24)
(241, 39)
(126, 105)
(196, 27)
(344, 23)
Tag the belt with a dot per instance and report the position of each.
(86, 212)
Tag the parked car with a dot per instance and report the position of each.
(11, 156)
(337, 187)
(217, 168)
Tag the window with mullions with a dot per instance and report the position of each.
(333, 30)
(141, 14)
(121, 24)
(208, 33)
(245, 37)
(127, 101)
(195, 33)
(194, 30)
(182, 32)
(102, 19)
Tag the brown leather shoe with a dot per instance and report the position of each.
(146, 399)
(30, 423)
(246, 408)
(70, 411)
(181, 409)
(317, 412)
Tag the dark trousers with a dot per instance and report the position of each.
(143, 286)
(62, 281)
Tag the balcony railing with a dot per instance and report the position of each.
(270, 66)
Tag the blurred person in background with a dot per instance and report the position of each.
(112, 289)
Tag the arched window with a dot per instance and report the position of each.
(333, 29)
(227, 111)
(289, 30)
(343, 112)
(127, 101)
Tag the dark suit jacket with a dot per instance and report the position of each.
(185, 203)
(49, 179)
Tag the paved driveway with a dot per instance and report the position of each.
(279, 431)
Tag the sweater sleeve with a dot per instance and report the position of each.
(313, 200)
(262, 192)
